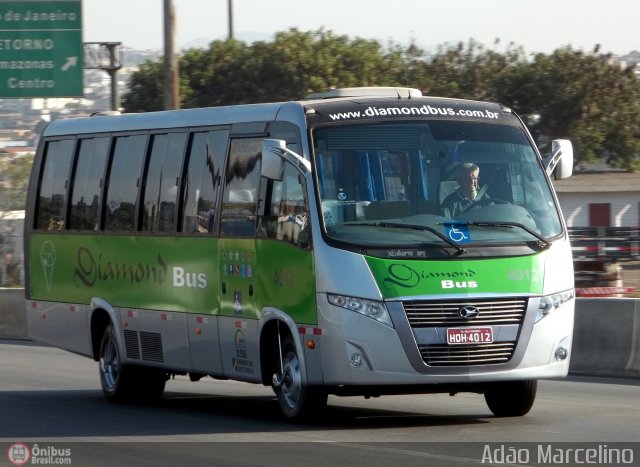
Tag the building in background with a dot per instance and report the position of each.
(600, 199)
(602, 211)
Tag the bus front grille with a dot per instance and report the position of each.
(479, 354)
(425, 314)
(443, 314)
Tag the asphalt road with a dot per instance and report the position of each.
(50, 400)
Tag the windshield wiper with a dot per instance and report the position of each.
(543, 243)
(422, 228)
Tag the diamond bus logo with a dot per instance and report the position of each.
(19, 454)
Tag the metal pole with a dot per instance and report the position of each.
(230, 2)
(115, 95)
(105, 56)
(171, 82)
(113, 74)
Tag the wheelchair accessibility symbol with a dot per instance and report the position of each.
(459, 233)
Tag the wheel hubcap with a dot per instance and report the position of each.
(109, 365)
(292, 381)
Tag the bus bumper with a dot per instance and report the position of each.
(359, 351)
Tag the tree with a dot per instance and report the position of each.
(467, 71)
(583, 97)
(14, 180)
(217, 76)
(294, 64)
(145, 88)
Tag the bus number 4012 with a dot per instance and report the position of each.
(284, 277)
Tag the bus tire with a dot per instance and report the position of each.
(297, 400)
(126, 383)
(511, 398)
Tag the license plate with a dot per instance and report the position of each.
(461, 336)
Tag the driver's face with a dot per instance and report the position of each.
(469, 183)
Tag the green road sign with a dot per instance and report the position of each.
(41, 52)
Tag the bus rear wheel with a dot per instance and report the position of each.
(511, 398)
(126, 383)
(296, 399)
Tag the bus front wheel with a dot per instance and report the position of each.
(296, 399)
(126, 383)
(511, 398)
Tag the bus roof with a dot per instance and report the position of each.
(377, 91)
(332, 106)
(184, 118)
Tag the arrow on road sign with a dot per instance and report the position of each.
(71, 61)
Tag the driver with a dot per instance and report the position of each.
(466, 195)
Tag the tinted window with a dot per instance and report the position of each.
(161, 190)
(53, 185)
(203, 179)
(87, 184)
(288, 132)
(287, 214)
(238, 216)
(124, 179)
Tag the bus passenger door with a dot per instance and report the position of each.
(285, 275)
(238, 319)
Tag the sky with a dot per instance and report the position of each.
(536, 25)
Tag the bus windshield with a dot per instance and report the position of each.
(477, 183)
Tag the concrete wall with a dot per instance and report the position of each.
(606, 340)
(606, 337)
(13, 316)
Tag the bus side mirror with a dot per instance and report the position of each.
(272, 161)
(561, 159)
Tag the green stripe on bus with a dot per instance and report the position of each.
(397, 278)
(197, 275)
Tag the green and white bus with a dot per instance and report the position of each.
(303, 245)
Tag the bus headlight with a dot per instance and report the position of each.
(550, 303)
(372, 309)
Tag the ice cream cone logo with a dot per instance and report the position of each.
(48, 258)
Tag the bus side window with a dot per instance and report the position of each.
(123, 183)
(52, 193)
(288, 217)
(202, 182)
(161, 182)
(240, 198)
(87, 184)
